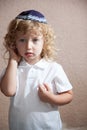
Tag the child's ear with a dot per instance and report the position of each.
(13, 47)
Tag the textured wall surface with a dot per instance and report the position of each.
(69, 20)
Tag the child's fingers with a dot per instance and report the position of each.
(47, 87)
(42, 88)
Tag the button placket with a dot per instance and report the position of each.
(31, 73)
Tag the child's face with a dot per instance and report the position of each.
(30, 46)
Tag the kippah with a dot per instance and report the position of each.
(32, 15)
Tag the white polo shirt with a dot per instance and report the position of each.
(27, 111)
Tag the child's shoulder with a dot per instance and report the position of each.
(54, 64)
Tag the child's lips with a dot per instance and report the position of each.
(28, 53)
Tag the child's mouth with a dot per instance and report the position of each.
(28, 54)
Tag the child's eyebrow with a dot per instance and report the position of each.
(34, 35)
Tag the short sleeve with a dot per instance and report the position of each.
(61, 80)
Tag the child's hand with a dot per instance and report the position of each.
(45, 93)
(14, 55)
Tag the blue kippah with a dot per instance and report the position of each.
(32, 15)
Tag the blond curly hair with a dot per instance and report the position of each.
(19, 25)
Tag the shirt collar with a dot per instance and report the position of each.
(42, 64)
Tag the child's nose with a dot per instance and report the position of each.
(29, 44)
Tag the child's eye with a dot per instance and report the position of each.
(35, 39)
(22, 40)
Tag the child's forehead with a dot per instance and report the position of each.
(31, 33)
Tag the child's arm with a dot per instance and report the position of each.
(8, 81)
(46, 95)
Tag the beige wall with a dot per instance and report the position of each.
(69, 20)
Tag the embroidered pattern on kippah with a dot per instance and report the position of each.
(31, 17)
